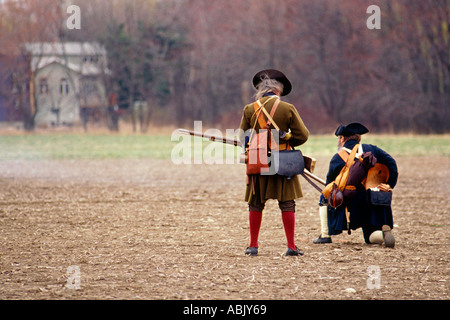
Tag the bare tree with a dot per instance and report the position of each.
(26, 21)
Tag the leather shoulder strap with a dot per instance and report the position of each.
(258, 106)
(343, 154)
(269, 116)
(343, 175)
(261, 121)
(351, 157)
(272, 112)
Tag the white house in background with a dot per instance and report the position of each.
(68, 77)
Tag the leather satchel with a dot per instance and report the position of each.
(358, 173)
(258, 153)
(379, 198)
(259, 145)
(288, 163)
(336, 197)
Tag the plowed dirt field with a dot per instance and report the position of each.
(150, 229)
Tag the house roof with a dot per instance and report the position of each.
(65, 48)
(46, 53)
(84, 69)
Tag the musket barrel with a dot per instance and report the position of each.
(211, 137)
(184, 131)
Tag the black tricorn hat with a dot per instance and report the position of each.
(276, 75)
(350, 129)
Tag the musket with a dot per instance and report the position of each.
(309, 177)
(212, 137)
(309, 161)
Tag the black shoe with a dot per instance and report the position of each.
(251, 251)
(322, 240)
(295, 252)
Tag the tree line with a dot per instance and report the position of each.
(194, 59)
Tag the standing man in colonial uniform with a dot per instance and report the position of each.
(271, 85)
(360, 211)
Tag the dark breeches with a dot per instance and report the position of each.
(283, 205)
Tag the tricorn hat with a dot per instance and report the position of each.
(350, 129)
(276, 75)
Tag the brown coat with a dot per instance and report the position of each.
(275, 187)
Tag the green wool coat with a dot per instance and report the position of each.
(275, 187)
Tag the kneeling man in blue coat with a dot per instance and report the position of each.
(369, 206)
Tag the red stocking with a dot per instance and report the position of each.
(255, 218)
(289, 227)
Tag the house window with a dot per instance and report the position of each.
(91, 59)
(43, 86)
(64, 87)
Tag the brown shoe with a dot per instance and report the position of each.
(389, 240)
